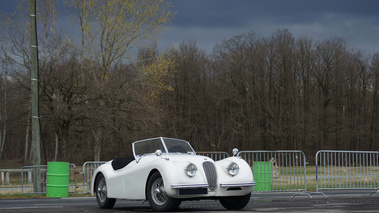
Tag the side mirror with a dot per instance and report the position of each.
(158, 152)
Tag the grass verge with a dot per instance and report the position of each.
(30, 196)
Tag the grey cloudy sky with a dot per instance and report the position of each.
(208, 22)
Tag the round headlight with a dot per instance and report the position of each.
(191, 170)
(233, 169)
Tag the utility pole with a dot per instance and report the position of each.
(36, 138)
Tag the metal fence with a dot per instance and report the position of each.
(214, 155)
(34, 174)
(347, 170)
(31, 175)
(88, 168)
(277, 170)
(273, 171)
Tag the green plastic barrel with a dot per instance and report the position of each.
(57, 179)
(262, 175)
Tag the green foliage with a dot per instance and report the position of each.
(157, 75)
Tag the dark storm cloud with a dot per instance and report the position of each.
(208, 22)
(7, 5)
(237, 13)
(211, 13)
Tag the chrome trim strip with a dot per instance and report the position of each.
(226, 185)
(183, 186)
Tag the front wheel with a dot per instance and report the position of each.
(102, 193)
(235, 203)
(157, 196)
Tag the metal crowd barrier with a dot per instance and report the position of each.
(347, 170)
(38, 173)
(31, 175)
(88, 169)
(277, 170)
(214, 155)
(273, 171)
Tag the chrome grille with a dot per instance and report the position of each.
(210, 173)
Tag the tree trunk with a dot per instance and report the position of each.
(27, 141)
(56, 147)
(97, 147)
(2, 138)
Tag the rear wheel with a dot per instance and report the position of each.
(235, 203)
(157, 196)
(102, 193)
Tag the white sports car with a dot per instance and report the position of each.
(166, 171)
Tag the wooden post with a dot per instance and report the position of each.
(35, 103)
(7, 178)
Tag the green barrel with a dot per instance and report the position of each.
(262, 175)
(57, 179)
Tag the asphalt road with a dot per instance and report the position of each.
(263, 202)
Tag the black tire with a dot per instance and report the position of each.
(102, 193)
(157, 197)
(235, 203)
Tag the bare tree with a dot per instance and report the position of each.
(305, 57)
(187, 104)
(329, 62)
(374, 121)
(3, 102)
(111, 29)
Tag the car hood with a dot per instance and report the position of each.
(186, 158)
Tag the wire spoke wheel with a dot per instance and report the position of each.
(157, 196)
(102, 193)
(158, 193)
(102, 190)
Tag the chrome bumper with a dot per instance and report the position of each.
(222, 185)
(228, 185)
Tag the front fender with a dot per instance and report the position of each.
(105, 169)
(174, 174)
(243, 179)
(244, 171)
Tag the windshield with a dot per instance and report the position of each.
(147, 146)
(178, 146)
(169, 145)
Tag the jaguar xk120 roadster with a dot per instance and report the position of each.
(166, 171)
